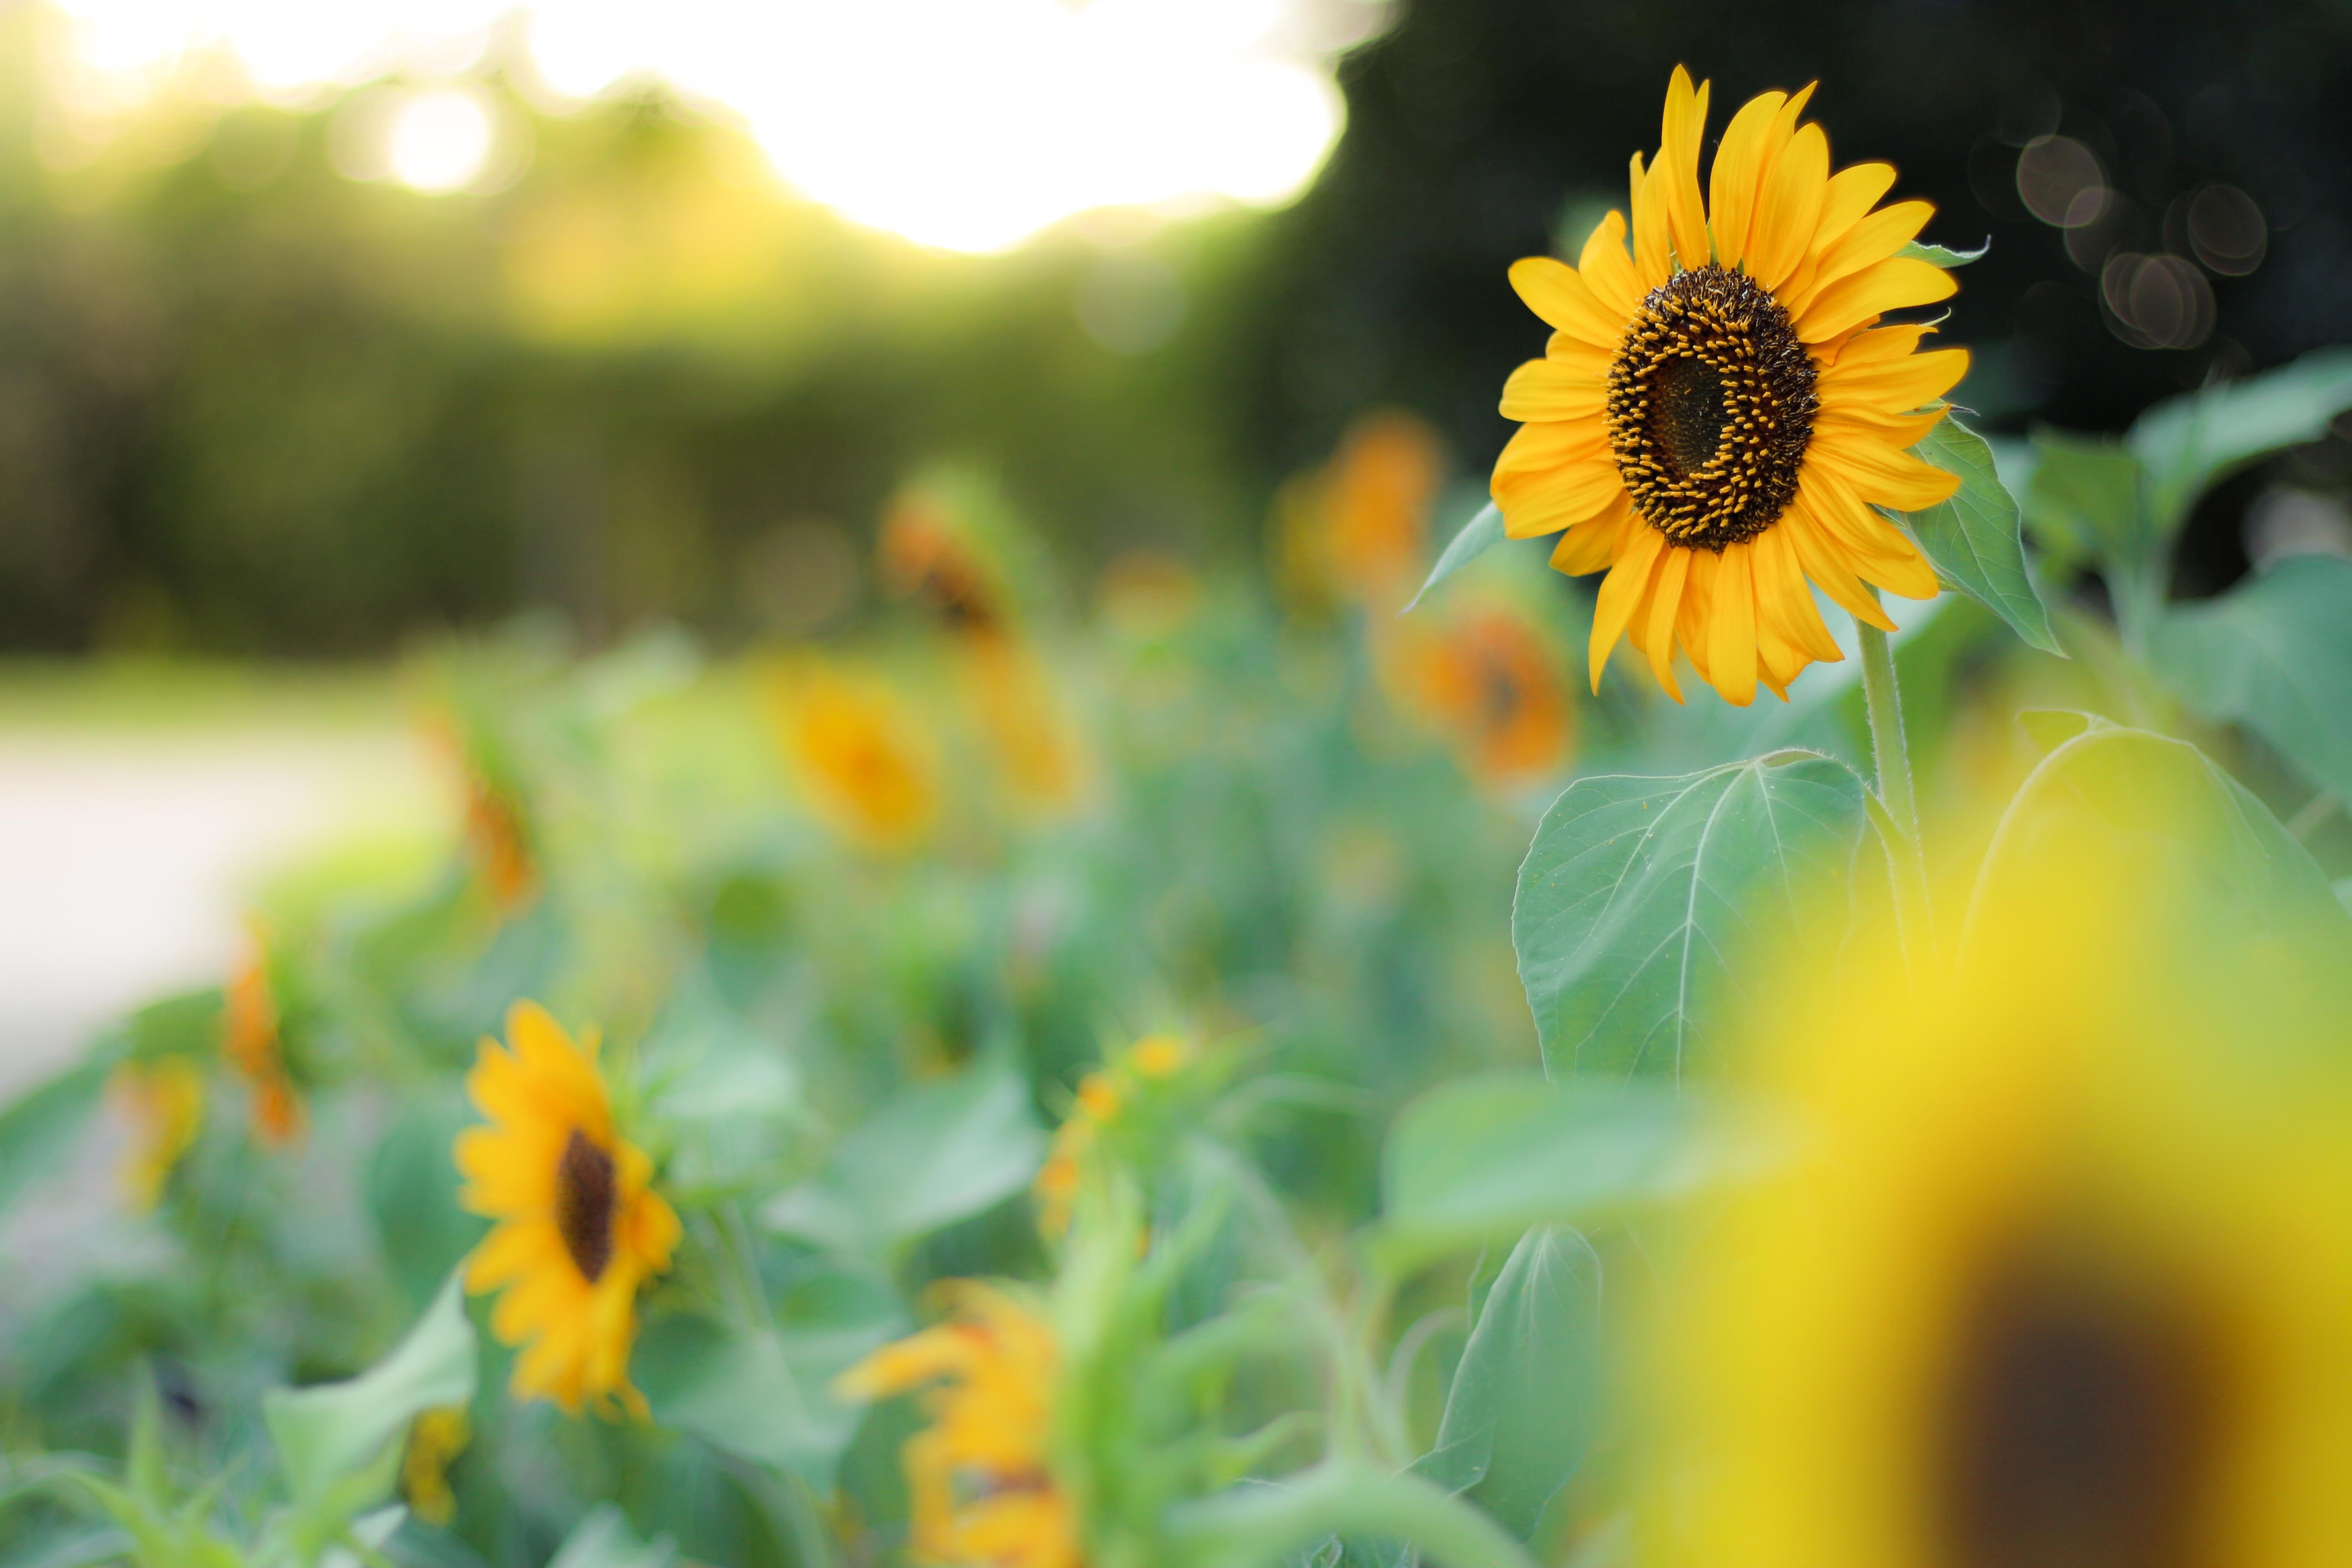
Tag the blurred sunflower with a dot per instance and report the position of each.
(2061, 1277)
(1488, 678)
(926, 554)
(251, 1041)
(435, 1440)
(578, 1228)
(865, 762)
(164, 1102)
(1378, 494)
(982, 1491)
(1718, 412)
(1101, 1096)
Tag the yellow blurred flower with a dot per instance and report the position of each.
(1158, 1056)
(1101, 1099)
(164, 1102)
(1376, 499)
(1489, 679)
(497, 830)
(1718, 413)
(435, 1440)
(250, 1039)
(980, 1476)
(579, 1229)
(2060, 1274)
(1035, 744)
(868, 767)
(926, 554)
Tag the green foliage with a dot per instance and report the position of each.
(1640, 895)
(2273, 654)
(341, 1435)
(1477, 536)
(1972, 541)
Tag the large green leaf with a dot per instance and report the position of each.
(1972, 540)
(411, 1191)
(2189, 444)
(39, 1131)
(2157, 812)
(2273, 654)
(766, 1394)
(327, 1434)
(1482, 1159)
(1259, 1522)
(941, 1152)
(1527, 1397)
(2083, 501)
(1638, 894)
(604, 1540)
(1480, 534)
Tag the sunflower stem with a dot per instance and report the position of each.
(1890, 758)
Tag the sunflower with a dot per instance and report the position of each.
(251, 1041)
(865, 762)
(578, 1228)
(2061, 1275)
(1486, 677)
(1719, 412)
(435, 1440)
(164, 1102)
(983, 1492)
(1101, 1096)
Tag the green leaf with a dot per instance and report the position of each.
(1480, 534)
(2190, 443)
(2083, 501)
(1527, 1397)
(2051, 728)
(1942, 256)
(2156, 807)
(411, 1192)
(2273, 654)
(1637, 894)
(1483, 1158)
(333, 1431)
(941, 1152)
(766, 1394)
(1259, 1522)
(39, 1131)
(604, 1540)
(1972, 540)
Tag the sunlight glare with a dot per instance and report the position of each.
(963, 124)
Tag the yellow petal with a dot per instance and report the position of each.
(1825, 562)
(1553, 290)
(1865, 420)
(1556, 480)
(1785, 605)
(1852, 193)
(1731, 628)
(1913, 381)
(1595, 543)
(1789, 207)
(1890, 285)
(1547, 389)
(1681, 130)
(1738, 166)
(1658, 618)
(1652, 245)
(1623, 592)
(1879, 473)
(1607, 271)
(1872, 239)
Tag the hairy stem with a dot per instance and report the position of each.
(1890, 758)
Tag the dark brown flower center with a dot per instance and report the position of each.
(585, 1192)
(2082, 1424)
(1711, 404)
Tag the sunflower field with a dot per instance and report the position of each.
(1804, 1021)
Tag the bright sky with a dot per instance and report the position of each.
(966, 124)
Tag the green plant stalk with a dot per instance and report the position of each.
(1891, 760)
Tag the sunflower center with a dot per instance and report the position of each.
(2082, 1428)
(1711, 404)
(585, 1192)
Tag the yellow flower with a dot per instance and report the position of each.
(865, 760)
(1491, 682)
(1158, 1056)
(435, 1439)
(927, 554)
(2060, 1275)
(164, 1099)
(578, 1229)
(983, 1488)
(250, 1040)
(1718, 412)
(1374, 504)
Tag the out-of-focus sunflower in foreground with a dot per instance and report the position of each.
(1718, 411)
(982, 1491)
(579, 1229)
(2060, 1274)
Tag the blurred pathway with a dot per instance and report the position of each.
(125, 858)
